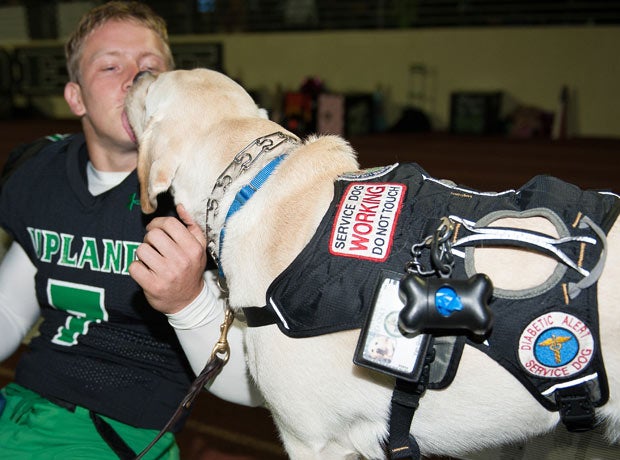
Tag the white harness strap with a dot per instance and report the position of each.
(546, 244)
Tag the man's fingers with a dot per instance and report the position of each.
(171, 262)
(149, 254)
(169, 246)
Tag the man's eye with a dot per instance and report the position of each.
(152, 69)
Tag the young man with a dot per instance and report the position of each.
(105, 371)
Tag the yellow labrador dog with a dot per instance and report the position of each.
(269, 203)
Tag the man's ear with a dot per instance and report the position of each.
(73, 96)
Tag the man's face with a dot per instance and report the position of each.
(111, 57)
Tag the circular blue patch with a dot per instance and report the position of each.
(556, 347)
(447, 301)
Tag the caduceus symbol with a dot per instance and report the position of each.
(555, 345)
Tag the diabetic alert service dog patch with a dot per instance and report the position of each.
(364, 224)
(556, 345)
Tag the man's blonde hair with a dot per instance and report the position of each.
(119, 11)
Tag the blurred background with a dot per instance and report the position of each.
(464, 66)
(486, 93)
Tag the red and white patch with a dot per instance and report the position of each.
(364, 224)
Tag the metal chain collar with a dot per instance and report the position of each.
(240, 164)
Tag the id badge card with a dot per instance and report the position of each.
(381, 345)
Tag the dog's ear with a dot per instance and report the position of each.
(158, 161)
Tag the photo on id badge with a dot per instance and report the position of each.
(382, 346)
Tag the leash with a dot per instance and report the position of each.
(219, 358)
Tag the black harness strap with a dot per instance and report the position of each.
(405, 401)
(260, 316)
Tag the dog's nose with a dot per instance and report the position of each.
(140, 74)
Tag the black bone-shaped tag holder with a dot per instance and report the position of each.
(448, 306)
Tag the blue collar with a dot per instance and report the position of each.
(247, 192)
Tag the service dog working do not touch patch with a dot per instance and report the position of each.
(365, 221)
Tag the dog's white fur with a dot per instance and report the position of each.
(190, 125)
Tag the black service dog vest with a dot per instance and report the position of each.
(548, 337)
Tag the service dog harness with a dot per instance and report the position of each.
(387, 226)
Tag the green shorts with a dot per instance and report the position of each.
(33, 428)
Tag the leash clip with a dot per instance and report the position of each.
(222, 348)
(441, 251)
(442, 258)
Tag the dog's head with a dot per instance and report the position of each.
(381, 347)
(173, 115)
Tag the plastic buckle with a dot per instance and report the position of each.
(576, 408)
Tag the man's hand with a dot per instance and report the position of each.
(171, 262)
